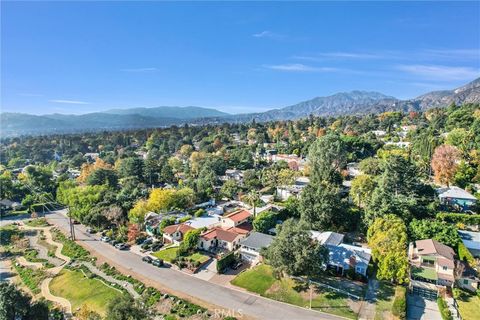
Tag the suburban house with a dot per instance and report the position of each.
(342, 256)
(235, 218)
(294, 162)
(207, 221)
(285, 192)
(218, 239)
(251, 246)
(467, 276)
(456, 197)
(232, 174)
(175, 233)
(471, 240)
(432, 266)
(353, 169)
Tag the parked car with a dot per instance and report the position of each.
(121, 246)
(157, 262)
(91, 231)
(146, 246)
(105, 239)
(147, 259)
(237, 265)
(147, 241)
(156, 246)
(114, 242)
(75, 222)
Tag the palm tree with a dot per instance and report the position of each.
(252, 197)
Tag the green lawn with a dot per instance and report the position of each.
(469, 306)
(199, 257)
(80, 290)
(261, 280)
(258, 279)
(385, 297)
(39, 222)
(166, 254)
(171, 253)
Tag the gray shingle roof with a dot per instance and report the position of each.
(257, 240)
(455, 192)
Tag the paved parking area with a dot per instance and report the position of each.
(421, 308)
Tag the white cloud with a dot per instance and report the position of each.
(268, 34)
(148, 69)
(440, 72)
(68, 101)
(298, 67)
(339, 55)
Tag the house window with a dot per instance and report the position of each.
(444, 268)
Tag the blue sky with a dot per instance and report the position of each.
(59, 57)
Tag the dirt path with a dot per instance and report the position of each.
(25, 263)
(64, 303)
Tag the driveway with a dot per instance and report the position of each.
(421, 308)
(220, 299)
(207, 271)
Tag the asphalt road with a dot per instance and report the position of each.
(227, 299)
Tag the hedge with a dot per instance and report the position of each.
(399, 308)
(468, 219)
(465, 255)
(444, 311)
(225, 262)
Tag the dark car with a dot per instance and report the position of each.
(147, 259)
(146, 246)
(114, 242)
(156, 246)
(75, 222)
(157, 262)
(91, 231)
(237, 265)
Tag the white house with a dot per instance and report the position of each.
(251, 246)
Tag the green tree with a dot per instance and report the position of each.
(362, 189)
(294, 252)
(14, 304)
(387, 237)
(230, 189)
(321, 206)
(190, 242)
(265, 221)
(327, 156)
(103, 176)
(132, 167)
(125, 308)
(434, 229)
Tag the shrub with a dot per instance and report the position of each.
(444, 311)
(225, 262)
(465, 255)
(466, 219)
(399, 308)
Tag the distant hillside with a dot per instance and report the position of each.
(119, 119)
(364, 102)
(354, 103)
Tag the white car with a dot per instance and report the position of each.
(105, 239)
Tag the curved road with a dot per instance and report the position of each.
(229, 300)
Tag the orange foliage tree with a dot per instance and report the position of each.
(444, 163)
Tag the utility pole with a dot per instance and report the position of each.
(311, 294)
(72, 226)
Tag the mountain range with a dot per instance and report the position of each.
(353, 103)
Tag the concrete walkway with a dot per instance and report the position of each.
(33, 238)
(367, 310)
(125, 284)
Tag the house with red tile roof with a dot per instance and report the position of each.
(236, 218)
(175, 233)
(219, 239)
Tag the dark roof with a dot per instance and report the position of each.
(257, 240)
(467, 271)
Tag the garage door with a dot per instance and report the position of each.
(425, 293)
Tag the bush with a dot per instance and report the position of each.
(225, 262)
(465, 255)
(466, 219)
(399, 308)
(444, 311)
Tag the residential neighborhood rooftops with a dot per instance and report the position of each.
(243, 228)
(238, 215)
(455, 192)
(328, 237)
(203, 222)
(342, 252)
(220, 234)
(257, 240)
(430, 246)
(183, 228)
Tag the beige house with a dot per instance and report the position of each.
(467, 277)
(218, 239)
(432, 262)
(175, 233)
